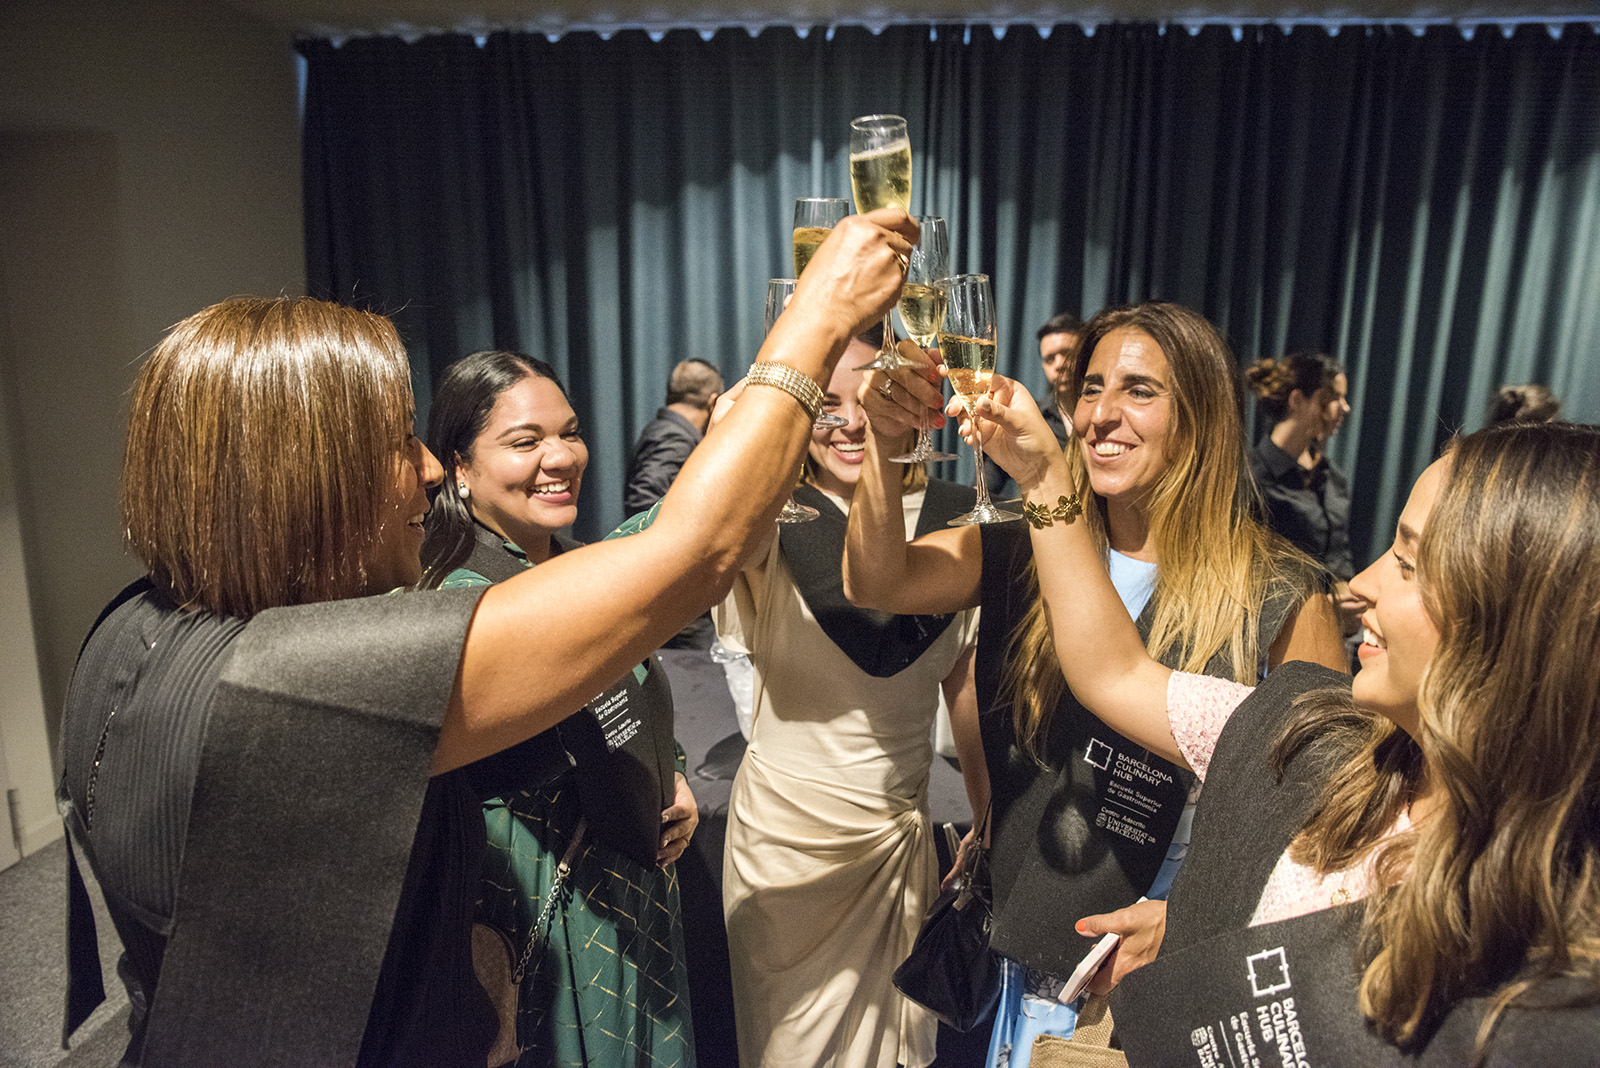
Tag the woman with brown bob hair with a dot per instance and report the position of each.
(1158, 417)
(1406, 865)
(264, 767)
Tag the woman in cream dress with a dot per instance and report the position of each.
(830, 864)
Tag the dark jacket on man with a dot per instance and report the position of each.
(664, 444)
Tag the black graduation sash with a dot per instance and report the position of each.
(626, 760)
(1222, 992)
(1086, 834)
(1285, 993)
(536, 761)
(311, 780)
(623, 748)
(880, 644)
(1279, 994)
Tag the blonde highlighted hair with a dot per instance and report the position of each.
(263, 436)
(1218, 565)
(1500, 887)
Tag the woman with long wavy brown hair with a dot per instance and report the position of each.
(1158, 420)
(1411, 863)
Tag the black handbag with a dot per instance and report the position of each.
(951, 969)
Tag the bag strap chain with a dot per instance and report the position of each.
(562, 871)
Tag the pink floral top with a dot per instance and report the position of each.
(1198, 707)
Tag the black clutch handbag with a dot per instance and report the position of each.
(951, 969)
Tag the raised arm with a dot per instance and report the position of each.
(1104, 661)
(939, 571)
(596, 612)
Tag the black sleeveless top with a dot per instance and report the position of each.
(1087, 831)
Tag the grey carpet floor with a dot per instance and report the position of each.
(33, 896)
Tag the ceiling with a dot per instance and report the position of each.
(416, 17)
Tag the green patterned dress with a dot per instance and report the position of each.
(608, 987)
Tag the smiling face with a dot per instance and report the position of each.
(1123, 417)
(836, 453)
(526, 466)
(396, 558)
(1398, 638)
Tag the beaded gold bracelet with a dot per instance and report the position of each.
(1066, 509)
(798, 385)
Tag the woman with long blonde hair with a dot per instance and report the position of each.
(1157, 417)
(1411, 863)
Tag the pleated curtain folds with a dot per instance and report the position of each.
(1422, 205)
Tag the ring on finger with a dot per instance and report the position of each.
(887, 389)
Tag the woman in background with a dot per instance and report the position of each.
(1158, 417)
(830, 864)
(1522, 404)
(1409, 862)
(1303, 400)
(607, 984)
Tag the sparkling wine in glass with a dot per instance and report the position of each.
(779, 290)
(880, 177)
(814, 218)
(967, 343)
(922, 301)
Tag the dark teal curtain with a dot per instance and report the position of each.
(1424, 206)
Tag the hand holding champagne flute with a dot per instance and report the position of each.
(922, 303)
(880, 177)
(967, 344)
(779, 290)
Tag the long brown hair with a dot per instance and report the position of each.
(1218, 565)
(1500, 887)
(263, 435)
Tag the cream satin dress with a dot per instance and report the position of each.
(829, 865)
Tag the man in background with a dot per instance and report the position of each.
(664, 444)
(1058, 340)
(669, 438)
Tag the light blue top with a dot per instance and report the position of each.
(1135, 581)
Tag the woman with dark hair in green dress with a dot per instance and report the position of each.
(606, 983)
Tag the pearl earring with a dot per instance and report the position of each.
(461, 490)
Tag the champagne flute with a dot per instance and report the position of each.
(880, 177)
(813, 218)
(779, 290)
(967, 342)
(922, 303)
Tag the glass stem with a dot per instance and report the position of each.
(890, 356)
(977, 447)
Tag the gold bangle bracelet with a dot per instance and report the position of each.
(1066, 509)
(798, 385)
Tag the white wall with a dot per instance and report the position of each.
(149, 166)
